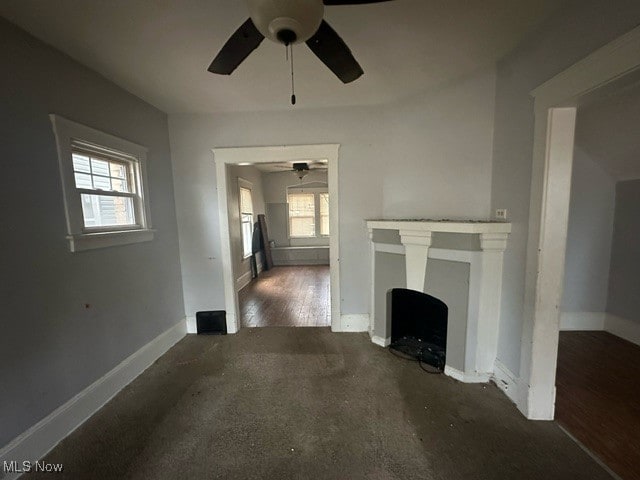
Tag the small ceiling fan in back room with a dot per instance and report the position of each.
(301, 169)
(289, 22)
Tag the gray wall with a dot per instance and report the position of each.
(428, 156)
(575, 31)
(449, 281)
(591, 211)
(51, 347)
(624, 294)
(390, 273)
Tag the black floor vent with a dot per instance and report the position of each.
(213, 322)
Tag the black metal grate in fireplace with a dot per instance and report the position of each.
(419, 326)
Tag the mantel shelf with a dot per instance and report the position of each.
(441, 226)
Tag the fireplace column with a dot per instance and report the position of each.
(493, 246)
(416, 245)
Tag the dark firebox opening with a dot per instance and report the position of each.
(418, 326)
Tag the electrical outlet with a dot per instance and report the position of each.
(501, 213)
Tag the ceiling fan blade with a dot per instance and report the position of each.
(244, 41)
(334, 53)
(352, 2)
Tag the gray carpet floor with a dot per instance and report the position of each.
(303, 403)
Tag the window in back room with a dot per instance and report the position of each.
(308, 214)
(246, 220)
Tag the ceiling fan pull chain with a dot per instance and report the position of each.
(293, 90)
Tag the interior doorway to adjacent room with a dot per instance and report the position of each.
(608, 69)
(280, 238)
(281, 214)
(598, 372)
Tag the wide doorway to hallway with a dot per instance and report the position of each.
(287, 296)
(280, 237)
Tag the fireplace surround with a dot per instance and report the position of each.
(460, 262)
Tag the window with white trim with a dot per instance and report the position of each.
(246, 220)
(302, 215)
(308, 214)
(107, 187)
(103, 184)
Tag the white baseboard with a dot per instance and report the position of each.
(623, 328)
(243, 280)
(383, 342)
(357, 322)
(38, 440)
(506, 381)
(582, 320)
(192, 326)
(466, 377)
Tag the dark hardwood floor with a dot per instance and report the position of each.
(598, 397)
(287, 297)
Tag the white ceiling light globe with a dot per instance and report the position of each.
(273, 18)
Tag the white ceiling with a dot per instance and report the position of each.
(160, 49)
(609, 131)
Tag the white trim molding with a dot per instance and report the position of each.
(273, 154)
(38, 440)
(243, 280)
(506, 381)
(89, 241)
(192, 325)
(70, 135)
(623, 328)
(381, 342)
(466, 377)
(582, 320)
(555, 111)
(354, 322)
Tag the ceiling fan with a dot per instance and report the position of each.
(301, 169)
(289, 22)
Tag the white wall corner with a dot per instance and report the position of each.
(41, 438)
(506, 381)
(582, 320)
(623, 328)
(357, 322)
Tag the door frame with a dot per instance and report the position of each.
(225, 156)
(555, 110)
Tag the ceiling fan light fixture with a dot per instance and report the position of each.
(278, 19)
(288, 22)
(301, 169)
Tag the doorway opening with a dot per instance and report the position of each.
(280, 235)
(599, 347)
(612, 67)
(283, 269)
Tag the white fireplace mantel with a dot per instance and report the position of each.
(421, 240)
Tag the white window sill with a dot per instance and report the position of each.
(89, 241)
